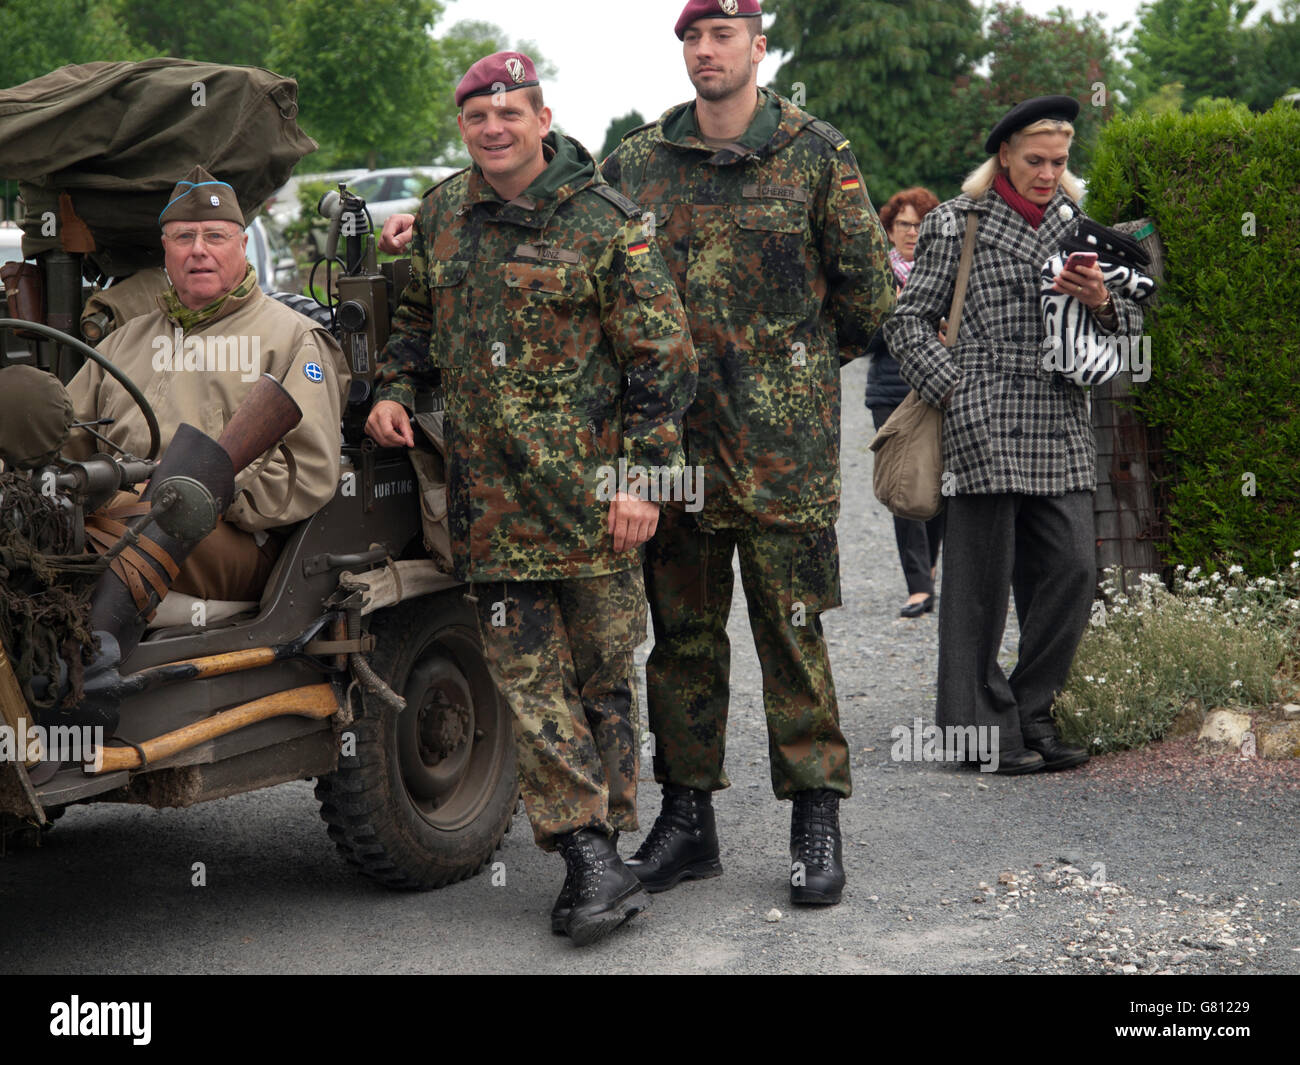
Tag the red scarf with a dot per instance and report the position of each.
(1030, 212)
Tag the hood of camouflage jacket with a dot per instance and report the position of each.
(569, 169)
(772, 128)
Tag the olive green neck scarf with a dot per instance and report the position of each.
(188, 318)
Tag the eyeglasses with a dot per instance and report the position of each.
(213, 238)
(908, 227)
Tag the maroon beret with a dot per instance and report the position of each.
(502, 72)
(698, 9)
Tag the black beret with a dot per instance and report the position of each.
(1066, 108)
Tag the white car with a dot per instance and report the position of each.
(272, 258)
(396, 190)
(11, 243)
(283, 206)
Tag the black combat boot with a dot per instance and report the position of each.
(682, 844)
(603, 893)
(564, 901)
(816, 858)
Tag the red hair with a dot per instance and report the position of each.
(921, 200)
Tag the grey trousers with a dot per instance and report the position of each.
(1044, 549)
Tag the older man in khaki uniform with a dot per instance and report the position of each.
(196, 357)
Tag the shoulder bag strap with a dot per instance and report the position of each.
(963, 276)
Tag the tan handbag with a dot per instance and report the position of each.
(909, 446)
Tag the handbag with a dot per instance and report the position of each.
(908, 472)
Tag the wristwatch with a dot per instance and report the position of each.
(1106, 309)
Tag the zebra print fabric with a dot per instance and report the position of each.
(1074, 346)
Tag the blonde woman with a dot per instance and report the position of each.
(1018, 447)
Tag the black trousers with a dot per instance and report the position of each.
(1044, 549)
(918, 541)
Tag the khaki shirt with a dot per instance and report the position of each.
(252, 335)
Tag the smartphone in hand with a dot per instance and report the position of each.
(1079, 259)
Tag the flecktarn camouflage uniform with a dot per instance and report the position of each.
(782, 266)
(559, 344)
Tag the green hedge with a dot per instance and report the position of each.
(1225, 334)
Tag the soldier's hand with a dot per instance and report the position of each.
(389, 424)
(397, 233)
(631, 521)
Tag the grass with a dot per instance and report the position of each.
(1221, 639)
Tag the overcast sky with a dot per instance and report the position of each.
(614, 56)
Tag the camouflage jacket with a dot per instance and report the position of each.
(553, 330)
(783, 268)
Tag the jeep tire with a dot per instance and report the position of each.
(422, 797)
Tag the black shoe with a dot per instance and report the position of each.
(816, 858)
(564, 901)
(1014, 763)
(915, 610)
(602, 891)
(1057, 755)
(563, 904)
(682, 844)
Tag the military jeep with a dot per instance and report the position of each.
(360, 666)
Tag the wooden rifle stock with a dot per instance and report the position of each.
(262, 420)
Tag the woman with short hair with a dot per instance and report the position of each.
(918, 541)
(1018, 447)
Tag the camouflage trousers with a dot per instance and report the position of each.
(789, 579)
(561, 654)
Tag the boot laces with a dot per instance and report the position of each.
(585, 870)
(816, 831)
(676, 815)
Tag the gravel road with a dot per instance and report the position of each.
(1142, 863)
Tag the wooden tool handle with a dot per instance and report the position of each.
(314, 700)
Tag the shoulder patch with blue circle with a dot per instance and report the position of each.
(313, 372)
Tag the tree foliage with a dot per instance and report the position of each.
(1205, 46)
(885, 73)
(904, 81)
(1196, 42)
(42, 35)
(213, 31)
(365, 74)
(1270, 59)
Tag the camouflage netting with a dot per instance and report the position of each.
(44, 591)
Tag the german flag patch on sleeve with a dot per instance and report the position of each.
(850, 183)
(641, 247)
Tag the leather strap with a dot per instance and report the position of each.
(963, 277)
(130, 566)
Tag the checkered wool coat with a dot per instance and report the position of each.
(1012, 425)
